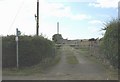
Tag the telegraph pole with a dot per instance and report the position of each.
(37, 30)
(57, 27)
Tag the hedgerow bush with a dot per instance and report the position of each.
(32, 50)
(110, 42)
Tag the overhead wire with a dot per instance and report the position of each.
(11, 25)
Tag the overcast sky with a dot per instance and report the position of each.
(78, 19)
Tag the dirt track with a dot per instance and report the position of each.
(85, 69)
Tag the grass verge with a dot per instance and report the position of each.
(111, 72)
(37, 69)
(21, 71)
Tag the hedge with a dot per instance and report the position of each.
(32, 50)
(110, 42)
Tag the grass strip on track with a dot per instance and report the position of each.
(71, 59)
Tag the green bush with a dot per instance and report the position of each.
(110, 42)
(32, 50)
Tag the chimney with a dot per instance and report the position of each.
(57, 27)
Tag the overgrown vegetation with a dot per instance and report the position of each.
(32, 51)
(109, 45)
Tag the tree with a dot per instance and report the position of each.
(56, 38)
